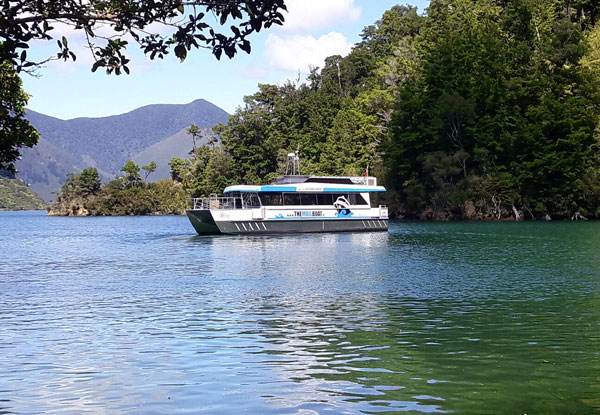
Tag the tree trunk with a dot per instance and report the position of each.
(497, 208)
(516, 212)
(525, 208)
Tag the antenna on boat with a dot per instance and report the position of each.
(293, 163)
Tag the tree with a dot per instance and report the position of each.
(149, 169)
(185, 21)
(15, 130)
(180, 169)
(195, 134)
(132, 174)
(88, 181)
(83, 184)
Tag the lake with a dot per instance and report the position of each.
(137, 315)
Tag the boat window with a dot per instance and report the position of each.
(330, 198)
(357, 199)
(304, 199)
(308, 199)
(251, 200)
(325, 199)
(291, 199)
(271, 199)
(333, 180)
(299, 199)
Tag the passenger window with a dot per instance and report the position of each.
(308, 199)
(325, 199)
(251, 200)
(291, 199)
(271, 199)
(357, 199)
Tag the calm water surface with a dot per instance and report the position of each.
(136, 315)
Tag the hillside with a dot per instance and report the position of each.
(176, 145)
(15, 195)
(68, 146)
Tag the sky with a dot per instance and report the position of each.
(313, 30)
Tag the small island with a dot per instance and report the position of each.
(83, 195)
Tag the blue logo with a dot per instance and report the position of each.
(344, 213)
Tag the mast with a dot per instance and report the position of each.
(293, 163)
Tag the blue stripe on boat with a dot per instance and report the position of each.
(277, 189)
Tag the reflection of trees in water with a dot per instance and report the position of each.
(434, 355)
(344, 349)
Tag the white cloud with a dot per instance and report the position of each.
(310, 15)
(297, 53)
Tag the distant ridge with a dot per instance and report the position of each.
(68, 146)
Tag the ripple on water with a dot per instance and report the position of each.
(136, 315)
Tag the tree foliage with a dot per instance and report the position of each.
(149, 169)
(83, 193)
(132, 176)
(15, 130)
(107, 24)
(502, 93)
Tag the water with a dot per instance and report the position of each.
(136, 315)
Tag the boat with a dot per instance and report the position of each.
(293, 203)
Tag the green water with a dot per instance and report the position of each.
(138, 315)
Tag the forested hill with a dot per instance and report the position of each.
(15, 195)
(478, 110)
(68, 146)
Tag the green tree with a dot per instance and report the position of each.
(149, 169)
(88, 181)
(180, 169)
(132, 174)
(195, 133)
(15, 130)
(24, 21)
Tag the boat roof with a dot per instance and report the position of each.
(307, 187)
(324, 179)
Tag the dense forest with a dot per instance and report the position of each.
(473, 110)
(477, 110)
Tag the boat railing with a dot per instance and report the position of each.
(214, 202)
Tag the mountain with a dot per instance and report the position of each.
(176, 145)
(68, 146)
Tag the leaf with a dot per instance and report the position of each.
(180, 8)
(230, 51)
(126, 69)
(245, 46)
(23, 55)
(180, 52)
(96, 65)
(64, 41)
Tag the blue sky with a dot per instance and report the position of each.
(313, 30)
